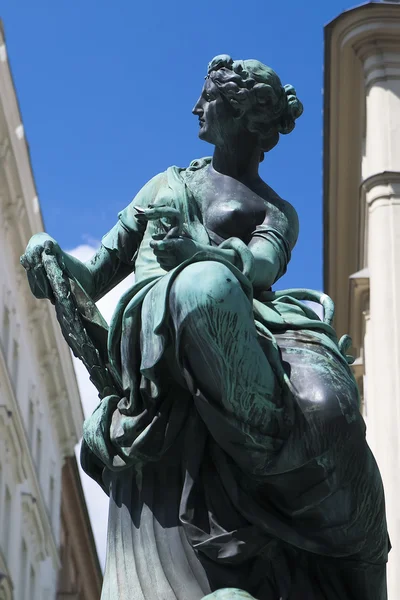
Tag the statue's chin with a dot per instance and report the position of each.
(205, 137)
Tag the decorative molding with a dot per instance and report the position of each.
(20, 212)
(12, 425)
(6, 585)
(33, 528)
(381, 62)
(12, 447)
(349, 39)
(3, 53)
(382, 186)
(358, 303)
(358, 369)
(19, 131)
(4, 147)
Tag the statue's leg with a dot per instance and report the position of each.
(218, 346)
(214, 320)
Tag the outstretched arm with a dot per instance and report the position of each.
(114, 260)
(100, 274)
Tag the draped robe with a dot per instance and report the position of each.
(201, 499)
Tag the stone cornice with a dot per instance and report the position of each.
(364, 24)
(22, 213)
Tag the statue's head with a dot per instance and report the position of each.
(245, 96)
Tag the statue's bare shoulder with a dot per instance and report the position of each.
(280, 213)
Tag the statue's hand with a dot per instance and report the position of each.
(171, 252)
(169, 219)
(32, 261)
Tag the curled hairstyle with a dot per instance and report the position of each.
(255, 90)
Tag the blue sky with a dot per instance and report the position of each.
(106, 91)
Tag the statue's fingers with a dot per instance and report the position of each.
(160, 253)
(163, 246)
(41, 281)
(151, 205)
(161, 212)
(140, 214)
(152, 214)
(25, 262)
(166, 263)
(48, 247)
(36, 256)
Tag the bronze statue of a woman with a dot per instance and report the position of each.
(230, 440)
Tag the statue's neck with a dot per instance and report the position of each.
(238, 160)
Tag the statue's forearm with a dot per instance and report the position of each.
(266, 264)
(224, 253)
(100, 274)
(78, 270)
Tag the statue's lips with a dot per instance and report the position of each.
(201, 122)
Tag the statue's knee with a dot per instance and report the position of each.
(206, 282)
(229, 594)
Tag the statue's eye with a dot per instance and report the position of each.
(208, 97)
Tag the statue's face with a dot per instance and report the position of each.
(216, 120)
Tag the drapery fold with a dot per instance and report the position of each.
(199, 498)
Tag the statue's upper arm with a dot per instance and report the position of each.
(115, 259)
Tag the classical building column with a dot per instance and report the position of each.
(381, 189)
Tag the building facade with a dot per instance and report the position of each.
(44, 529)
(362, 224)
(79, 577)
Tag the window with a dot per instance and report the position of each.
(38, 452)
(51, 498)
(32, 583)
(31, 421)
(5, 334)
(15, 364)
(23, 574)
(7, 523)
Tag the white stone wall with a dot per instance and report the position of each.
(40, 411)
(381, 192)
(30, 452)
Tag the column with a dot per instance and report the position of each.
(381, 185)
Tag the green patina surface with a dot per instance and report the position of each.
(228, 435)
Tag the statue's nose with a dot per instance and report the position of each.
(197, 109)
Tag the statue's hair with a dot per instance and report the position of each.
(269, 109)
